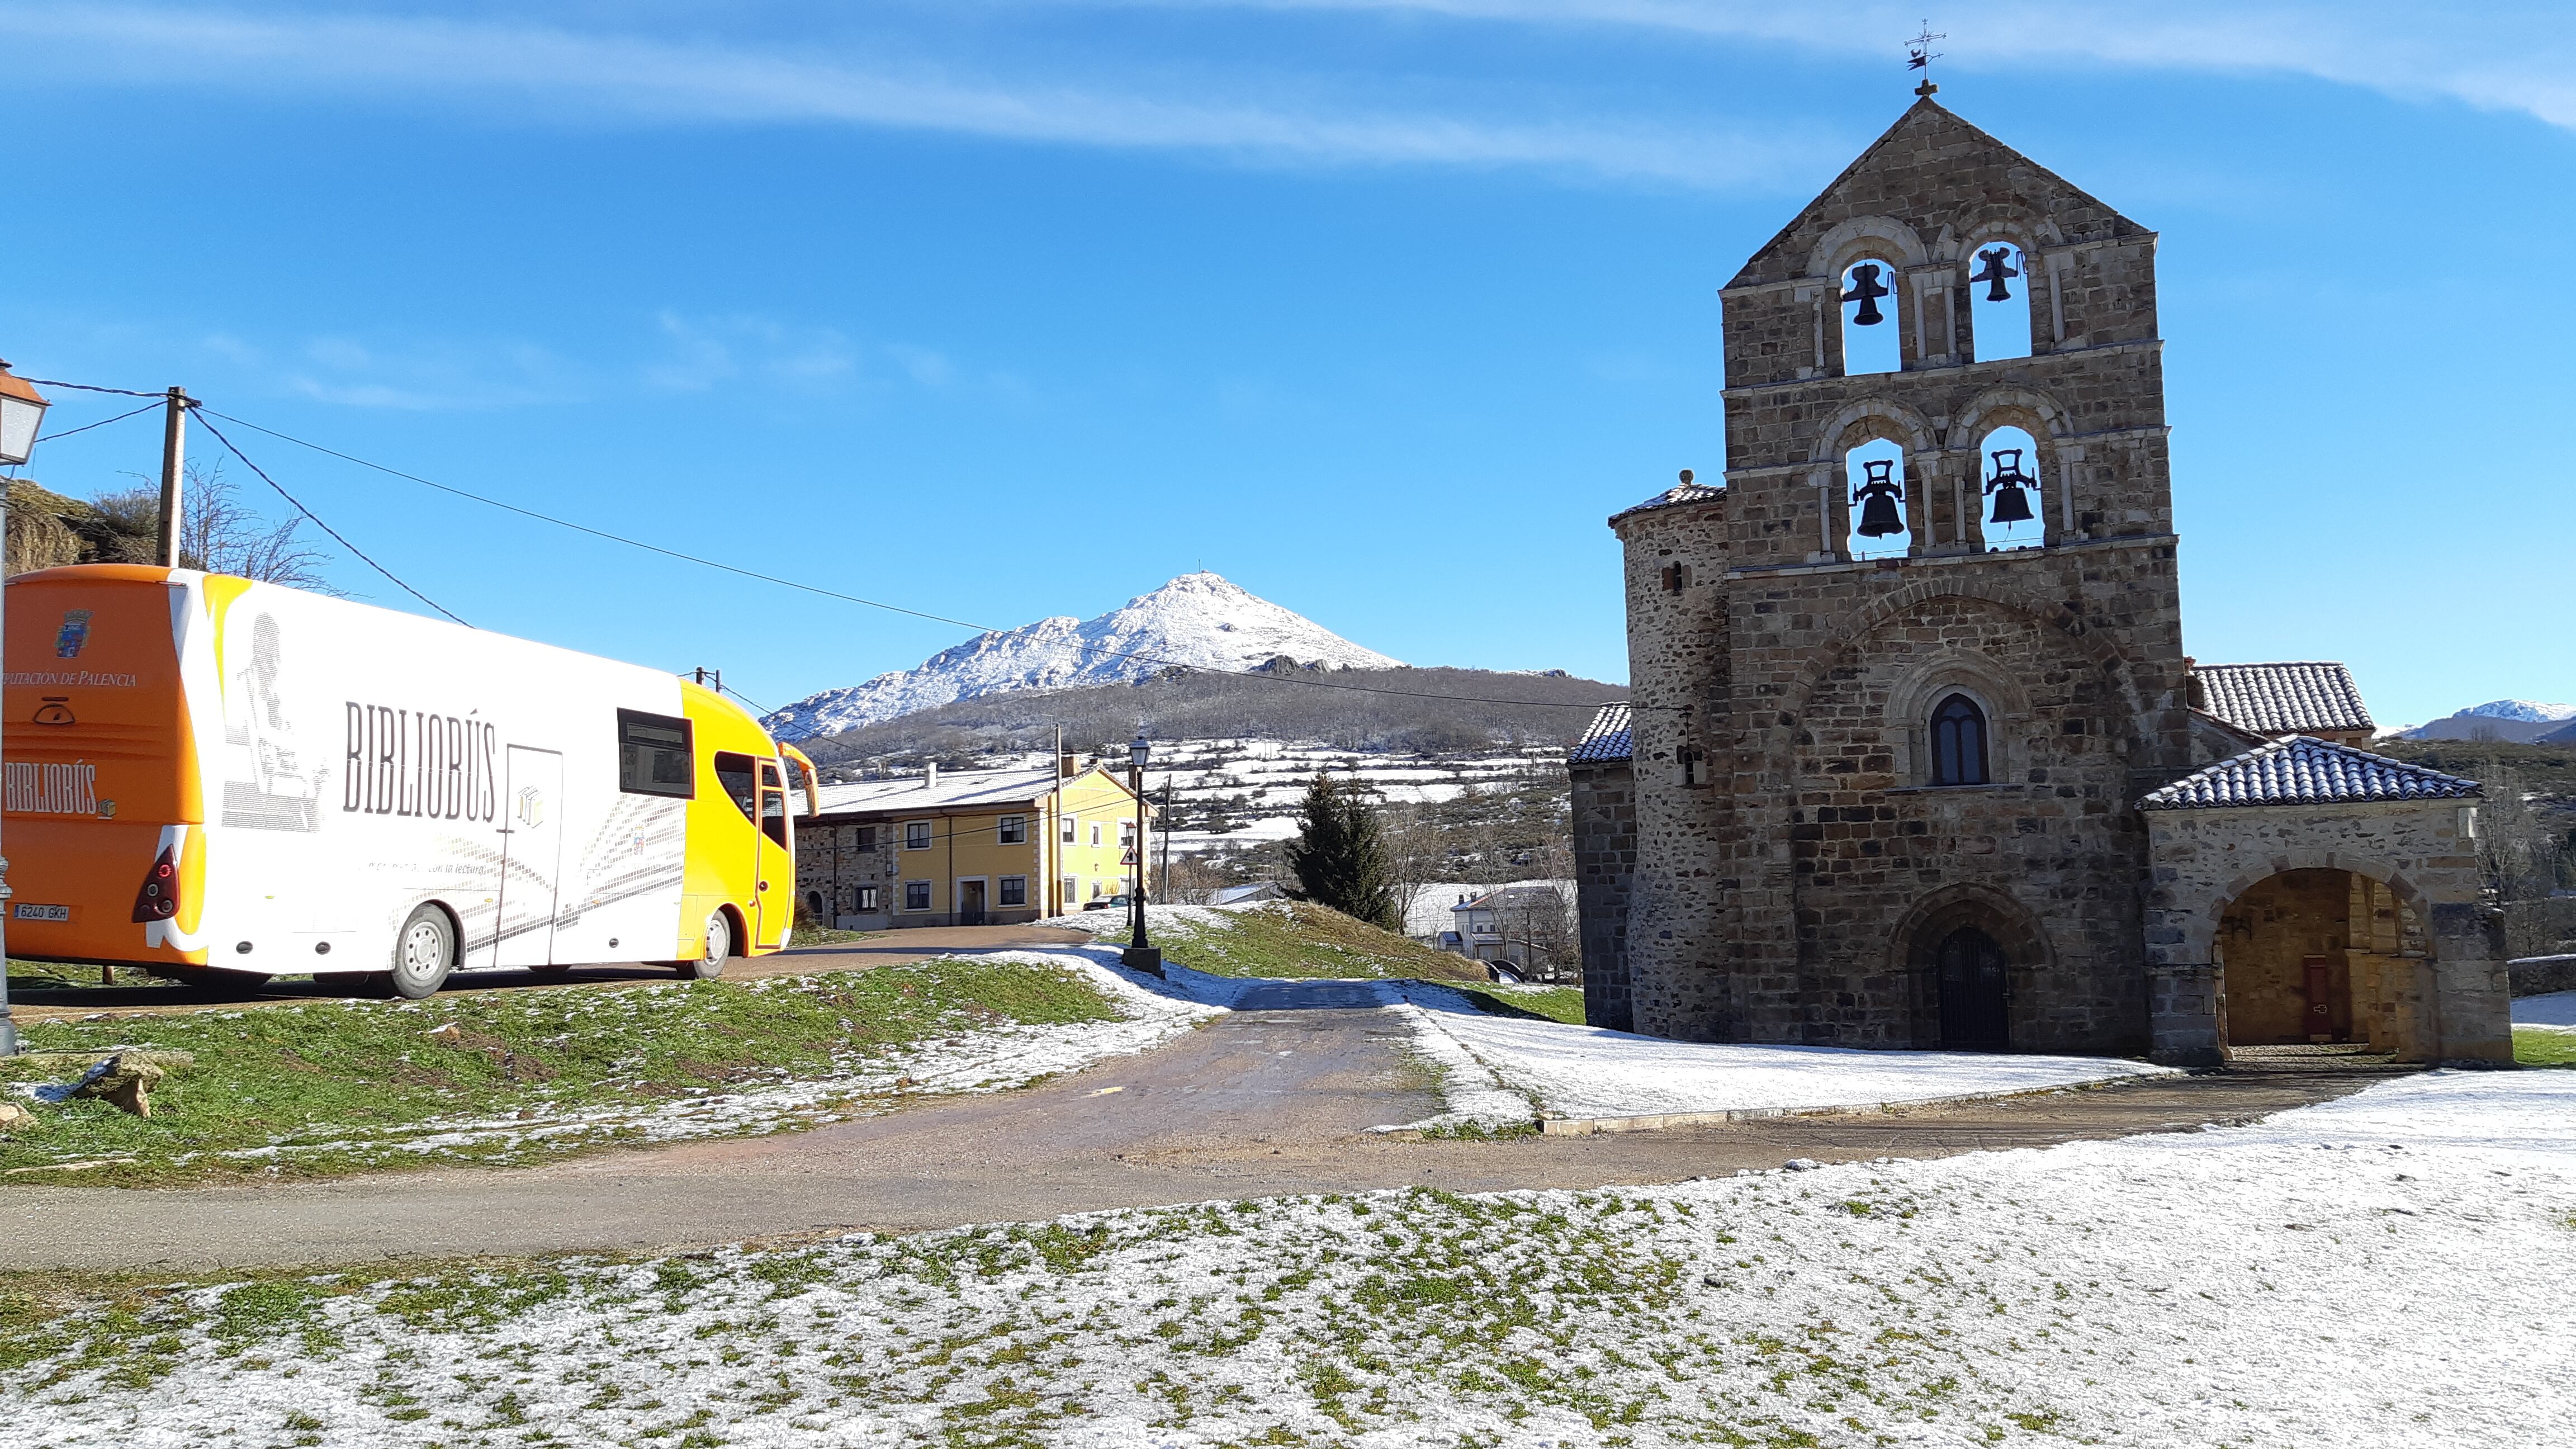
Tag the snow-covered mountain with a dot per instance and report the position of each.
(1198, 620)
(2515, 721)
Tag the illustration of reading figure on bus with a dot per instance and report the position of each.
(270, 786)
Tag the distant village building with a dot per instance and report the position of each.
(1527, 927)
(1244, 895)
(970, 847)
(1913, 756)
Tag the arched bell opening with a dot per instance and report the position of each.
(2011, 501)
(1880, 497)
(1998, 302)
(1870, 308)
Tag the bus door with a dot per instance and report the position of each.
(777, 877)
(531, 856)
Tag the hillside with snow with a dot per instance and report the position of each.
(1197, 621)
(2513, 721)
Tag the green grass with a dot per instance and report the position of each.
(1300, 939)
(806, 935)
(2542, 1047)
(1544, 1003)
(342, 1085)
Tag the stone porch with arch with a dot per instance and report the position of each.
(2308, 891)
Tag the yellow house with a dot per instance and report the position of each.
(967, 847)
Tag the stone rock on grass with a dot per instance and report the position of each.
(13, 1116)
(124, 1081)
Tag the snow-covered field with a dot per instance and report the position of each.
(2555, 1011)
(2393, 1269)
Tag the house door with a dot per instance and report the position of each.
(1974, 1015)
(2322, 1018)
(970, 903)
(531, 856)
(774, 868)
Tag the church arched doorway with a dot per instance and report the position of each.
(1970, 986)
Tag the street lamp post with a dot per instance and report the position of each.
(22, 410)
(1140, 954)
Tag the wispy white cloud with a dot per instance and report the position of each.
(2504, 56)
(600, 77)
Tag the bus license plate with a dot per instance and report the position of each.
(32, 912)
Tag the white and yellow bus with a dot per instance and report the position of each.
(209, 774)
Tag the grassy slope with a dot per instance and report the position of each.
(355, 1073)
(2538, 1047)
(1299, 939)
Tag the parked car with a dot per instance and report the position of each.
(1106, 903)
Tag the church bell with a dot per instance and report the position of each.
(1866, 289)
(1878, 498)
(1998, 269)
(2009, 485)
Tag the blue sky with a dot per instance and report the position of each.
(1006, 308)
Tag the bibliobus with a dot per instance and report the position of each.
(206, 774)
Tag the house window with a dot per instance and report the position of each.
(1958, 742)
(867, 900)
(814, 903)
(1014, 830)
(1095, 832)
(1072, 889)
(916, 895)
(1126, 835)
(867, 837)
(1068, 830)
(916, 835)
(1015, 890)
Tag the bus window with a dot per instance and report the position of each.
(773, 815)
(737, 773)
(653, 755)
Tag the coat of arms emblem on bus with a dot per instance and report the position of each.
(74, 633)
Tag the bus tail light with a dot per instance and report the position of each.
(159, 898)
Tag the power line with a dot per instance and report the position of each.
(103, 422)
(820, 591)
(326, 528)
(85, 387)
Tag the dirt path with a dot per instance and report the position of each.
(147, 997)
(1273, 1099)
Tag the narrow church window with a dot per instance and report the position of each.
(1958, 742)
(1877, 474)
(2013, 512)
(1694, 767)
(1870, 313)
(1999, 303)
(1676, 578)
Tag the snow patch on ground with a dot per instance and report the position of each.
(2555, 1011)
(2371, 1272)
(1558, 1070)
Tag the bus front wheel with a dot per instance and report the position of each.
(714, 947)
(424, 951)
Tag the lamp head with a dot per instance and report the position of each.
(22, 408)
(1138, 749)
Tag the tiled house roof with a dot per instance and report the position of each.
(2304, 771)
(2281, 699)
(1605, 740)
(1678, 493)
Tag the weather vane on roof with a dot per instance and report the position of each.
(1919, 55)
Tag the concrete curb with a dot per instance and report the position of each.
(1657, 1121)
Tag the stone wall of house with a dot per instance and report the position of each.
(1790, 887)
(2426, 972)
(829, 860)
(1605, 857)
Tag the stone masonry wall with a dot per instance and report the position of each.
(2457, 1007)
(1605, 854)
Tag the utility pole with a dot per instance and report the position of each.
(174, 460)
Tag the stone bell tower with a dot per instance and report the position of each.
(1889, 801)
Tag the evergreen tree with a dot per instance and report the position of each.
(1339, 856)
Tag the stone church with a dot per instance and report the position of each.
(1914, 757)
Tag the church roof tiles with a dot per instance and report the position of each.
(1606, 740)
(1678, 493)
(2304, 771)
(2278, 699)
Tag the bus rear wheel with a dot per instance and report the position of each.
(714, 947)
(424, 952)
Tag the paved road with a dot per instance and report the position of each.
(148, 996)
(1273, 1099)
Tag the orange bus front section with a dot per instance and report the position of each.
(105, 813)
